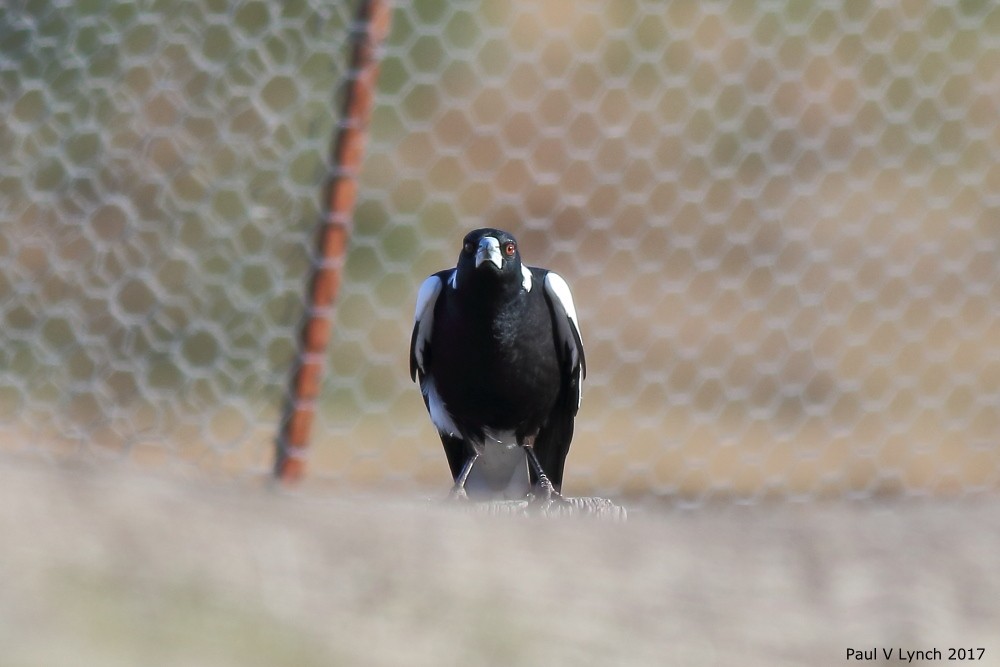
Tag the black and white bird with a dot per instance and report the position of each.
(497, 349)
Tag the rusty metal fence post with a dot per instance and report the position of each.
(368, 32)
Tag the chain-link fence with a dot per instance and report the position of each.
(781, 222)
(158, 192)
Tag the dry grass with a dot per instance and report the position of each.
(107, 569)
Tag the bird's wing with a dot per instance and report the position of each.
(569, 341)
(423, 321)
(553, 440)
(423, 324)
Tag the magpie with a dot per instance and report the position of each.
(496, 348)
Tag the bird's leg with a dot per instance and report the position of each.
(544, 483)
(458, 491)
(548, 490)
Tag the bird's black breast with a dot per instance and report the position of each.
(494, 361)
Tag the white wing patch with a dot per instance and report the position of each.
(423, 316)
(567, 326)
(453, 279)
(526, 278)
(563, 299)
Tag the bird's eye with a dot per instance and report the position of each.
(509, 248)
(469, 246)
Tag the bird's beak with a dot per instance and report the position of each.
(489, 251)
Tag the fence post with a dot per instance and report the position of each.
(368, 31)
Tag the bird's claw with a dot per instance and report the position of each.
(545, 496)
(458, 493)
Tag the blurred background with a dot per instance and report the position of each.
(780, 220)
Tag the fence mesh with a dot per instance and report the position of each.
(781, 223)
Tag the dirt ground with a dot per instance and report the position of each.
(109, 569)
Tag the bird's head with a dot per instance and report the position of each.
(492, 252)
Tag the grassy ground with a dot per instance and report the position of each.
(104, 569)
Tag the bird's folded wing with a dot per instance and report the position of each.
(423, 322)
(567, 325)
